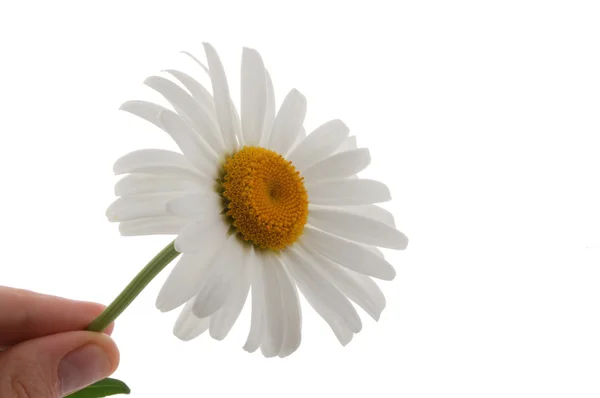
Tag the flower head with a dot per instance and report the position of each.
(257, 205)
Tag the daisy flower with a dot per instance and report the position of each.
(258, 206)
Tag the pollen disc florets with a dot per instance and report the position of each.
(265, 197)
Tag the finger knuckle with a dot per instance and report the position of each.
(28, 381)
(19, 387)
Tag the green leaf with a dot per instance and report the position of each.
(103, 388)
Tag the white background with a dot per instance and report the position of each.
(481, 116)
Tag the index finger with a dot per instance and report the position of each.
(26, 315)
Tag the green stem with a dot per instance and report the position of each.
(134, 288)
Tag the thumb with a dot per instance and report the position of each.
(56, 365)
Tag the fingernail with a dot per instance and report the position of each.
(82, 367)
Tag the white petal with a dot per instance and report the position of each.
(288, 122)
(198, 91)
(254, 96)
(140, 206)
(135, 184)
(155, 161)
(237, 125)
(188, 275)
(367, 295)
(371, 289)
(223, 320)
(223, 102)
(313, 282)
(204, 67)
(348, 192)
(204, 156)
(274, 316)
(338, 166)
(348, 145)
(196, 206)
(291, 312)
(348, 254)
(374, 212)
(235, 117)
(221, 275)
(190, 110)
(188, 326)
(299, 139)
(165, 225)
(269, 111)
(189, 142)
(343, 334)
(146, 110)
(318, 145)
(357, 228)
(301, 135)
(195, 237)
(341, 331)
(375, 250)
(256, 324)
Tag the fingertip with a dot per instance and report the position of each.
(108, 331)
(95, 359)
(108, 345)
(65, 361)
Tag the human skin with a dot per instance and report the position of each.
(47, 353)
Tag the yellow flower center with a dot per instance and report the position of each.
(265, 197)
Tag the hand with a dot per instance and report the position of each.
(48, 354)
